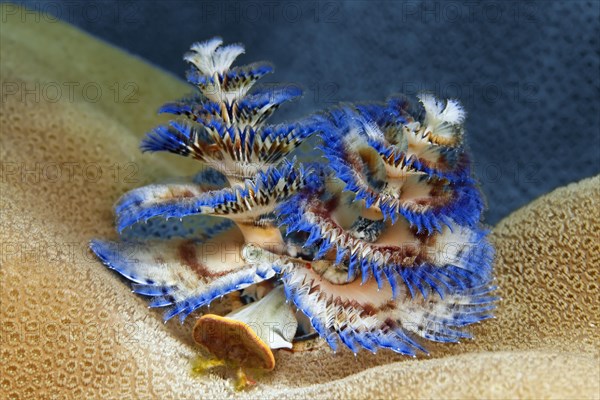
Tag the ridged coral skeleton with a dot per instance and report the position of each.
(378, 246)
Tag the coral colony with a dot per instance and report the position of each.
(374, 243)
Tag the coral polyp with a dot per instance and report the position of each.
(377, 239)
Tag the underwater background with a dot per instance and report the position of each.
(528, 73)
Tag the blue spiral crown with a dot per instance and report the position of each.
(379, 236)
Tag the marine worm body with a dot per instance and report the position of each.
(377, 240)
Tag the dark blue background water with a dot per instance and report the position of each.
(528, 73)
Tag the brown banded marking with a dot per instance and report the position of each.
(188, 254)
